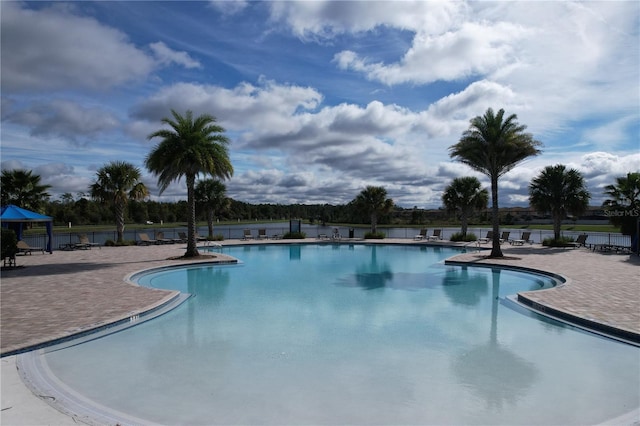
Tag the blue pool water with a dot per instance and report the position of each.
(362, 334)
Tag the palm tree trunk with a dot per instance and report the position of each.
(210, 221)
(374, 223)
(557, 224)
(192, 249)
(496, 251)
(119, 210)
(464, 222)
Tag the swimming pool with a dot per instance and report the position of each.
(358, 334)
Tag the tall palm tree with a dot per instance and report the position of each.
(23, 188)
(493, 146)
(116, 184)
(191, 147)
(465, 195)
(374, 202)
(211, 195)
(560, 192)
(623, 206)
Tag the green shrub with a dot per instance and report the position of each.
(111, 243)
(9, 243)
(294, 236)
(374, 235)
(561, 242)
(469, 237)
(217, 237)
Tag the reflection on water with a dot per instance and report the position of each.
(493, 372)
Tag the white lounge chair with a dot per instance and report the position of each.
(524, 238)
(437, 235)
(421, 236)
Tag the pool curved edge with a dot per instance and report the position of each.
(130, 317)
(590, 325)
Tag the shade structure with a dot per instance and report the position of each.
(13, 217)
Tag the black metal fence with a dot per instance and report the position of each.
(230, 232)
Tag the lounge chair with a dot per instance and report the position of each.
(247, 235)
(262, 234)
(524, 238)
(145, 240)
(580, 241)
(486, 238)
(84, 243)
(162, 240)
(201, 238)
(421, 236)
(505, 236)
(26, 249)
(336, 234)
(437, 235)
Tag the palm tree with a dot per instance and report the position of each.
(23, 189)
(211, 194)
(191, 147)
(493, 146)
(374, 202)
(623, 208)
(465, 195)
(560, 192)
(116, 184)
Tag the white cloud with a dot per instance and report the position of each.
(64, 119)
(325, 19)
(165, 56)
(52, 48)
(229, 7)
(471, 49)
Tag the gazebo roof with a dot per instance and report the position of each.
(13, 213)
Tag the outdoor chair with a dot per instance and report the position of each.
(247, 235)
(486, 238)
(524, 238)
(145, 240)
(437, 235)
(421, 236)
(262, 234)
(504, 237)
(83, 242)
(24, 248)
(580, 241)
(336, 234)
(162, 240)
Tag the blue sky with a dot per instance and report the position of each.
(321, 98)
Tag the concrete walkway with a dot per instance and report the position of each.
(54, 296)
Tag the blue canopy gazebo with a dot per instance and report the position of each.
(13, 217)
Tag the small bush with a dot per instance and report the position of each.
(111, 243)
(561, 242)
(217, 237)
(374, 235)
(294, 236)
(9, 243)
(469, 237)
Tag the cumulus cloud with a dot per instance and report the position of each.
(64, 119)
(326, 19)
(53, 48)
(38, 55)
(472, 49)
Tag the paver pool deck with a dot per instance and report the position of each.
(54, 296)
